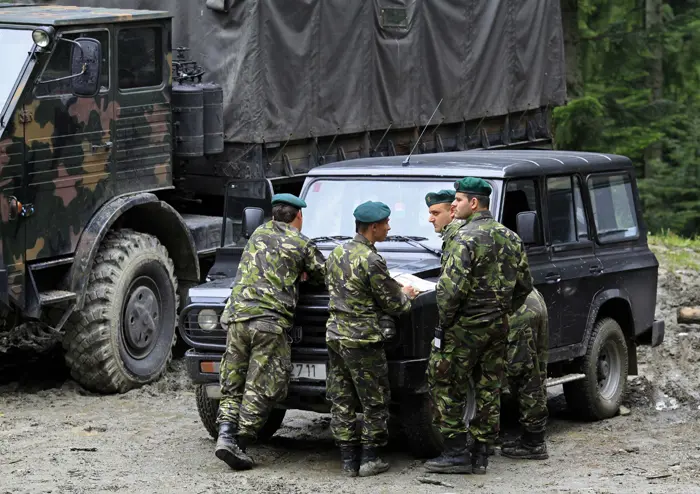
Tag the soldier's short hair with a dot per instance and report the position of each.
(484, 201)
(361, 227)
(284, 213)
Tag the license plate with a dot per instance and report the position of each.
(308, 371)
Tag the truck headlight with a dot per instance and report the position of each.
(207, 319)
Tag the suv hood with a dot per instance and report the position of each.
(217, 291)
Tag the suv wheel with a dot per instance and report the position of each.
(416, 416)
(605, 364)
(208, 409)
(123, 336)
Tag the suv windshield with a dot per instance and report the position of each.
(16, 44)
(332, 202)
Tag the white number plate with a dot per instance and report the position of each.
(308, 371)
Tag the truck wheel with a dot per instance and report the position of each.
(422, 437)
(209, 408)
(123, 336)
(605, 364)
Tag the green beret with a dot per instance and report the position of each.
(371, 212)
(290, 199)
(472, 185)
(441, 197)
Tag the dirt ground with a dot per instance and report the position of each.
(55, 437)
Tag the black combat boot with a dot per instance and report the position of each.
(371, 463)
(350, 457)
(455, 458)
(480, 457)
(230, 449)
(530, 446)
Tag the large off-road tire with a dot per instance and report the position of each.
(123, 336)
(209, 408)
(424, 439)
(605, 364)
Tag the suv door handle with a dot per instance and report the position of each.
(553, 277)
(596, 269)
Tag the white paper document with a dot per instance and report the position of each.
(408, 279)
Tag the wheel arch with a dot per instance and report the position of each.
(145, 213)
(615, 304)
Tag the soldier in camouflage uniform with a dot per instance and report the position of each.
(485, 277)
(256, 366)
(361, 293)
(526, 370)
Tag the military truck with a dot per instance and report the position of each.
(578, 215)
(120, 128)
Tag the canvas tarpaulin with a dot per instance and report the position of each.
(303, 68)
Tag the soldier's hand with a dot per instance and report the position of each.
(410, 291)
(304, 276)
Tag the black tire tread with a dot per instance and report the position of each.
(89, 353)
(580, 397)
(423, 439)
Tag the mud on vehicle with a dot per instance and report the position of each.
(579, 217)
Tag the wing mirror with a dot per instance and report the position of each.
(252, 218)
(528, 226)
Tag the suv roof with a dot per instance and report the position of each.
(57, 15)
(488, 164)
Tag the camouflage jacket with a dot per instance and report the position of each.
(447, 234)
(361, 290)
(267, 282)
(485, 277)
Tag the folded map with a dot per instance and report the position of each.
(408, 279)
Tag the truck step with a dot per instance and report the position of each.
(52, 297)
(555, 381)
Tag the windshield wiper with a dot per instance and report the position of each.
(335, 239)
(414, 241)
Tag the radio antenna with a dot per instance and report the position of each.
(408, 158)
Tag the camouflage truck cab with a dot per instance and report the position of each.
(88, 246)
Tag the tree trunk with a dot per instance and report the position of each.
(572, 40)
(654, 27)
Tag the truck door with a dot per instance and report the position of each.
(143, 116)
(68, 155)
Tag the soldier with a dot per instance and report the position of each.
(441, 215)
(526, 371)
(361, 293)
(256, 366)
(485, 278)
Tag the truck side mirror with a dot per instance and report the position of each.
(86, 65)
(528, 226)
(252, 218)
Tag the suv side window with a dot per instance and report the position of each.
(139, 57)
(520, 195)
(613, 207)
(59, 64)
(567, 215)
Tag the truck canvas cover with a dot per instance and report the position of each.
(295, 69)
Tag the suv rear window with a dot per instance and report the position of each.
(613, 207)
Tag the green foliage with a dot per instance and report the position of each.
(619, 113)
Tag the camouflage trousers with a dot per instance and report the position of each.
(358, 376)
(254, 375)
(525, 379)
(467, 352)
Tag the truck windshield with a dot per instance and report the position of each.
(15, 44)
(332, 202)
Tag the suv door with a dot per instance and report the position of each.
(525, 195)
(576, 267)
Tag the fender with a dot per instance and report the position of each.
(146, 213)
(598, 301)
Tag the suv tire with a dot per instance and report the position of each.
(424, 439)
(209, 408)
(132, 286)
(605, 364)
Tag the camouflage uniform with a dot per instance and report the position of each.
(361, 291)
(524, 370)
(256, 367)
(484, 277)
